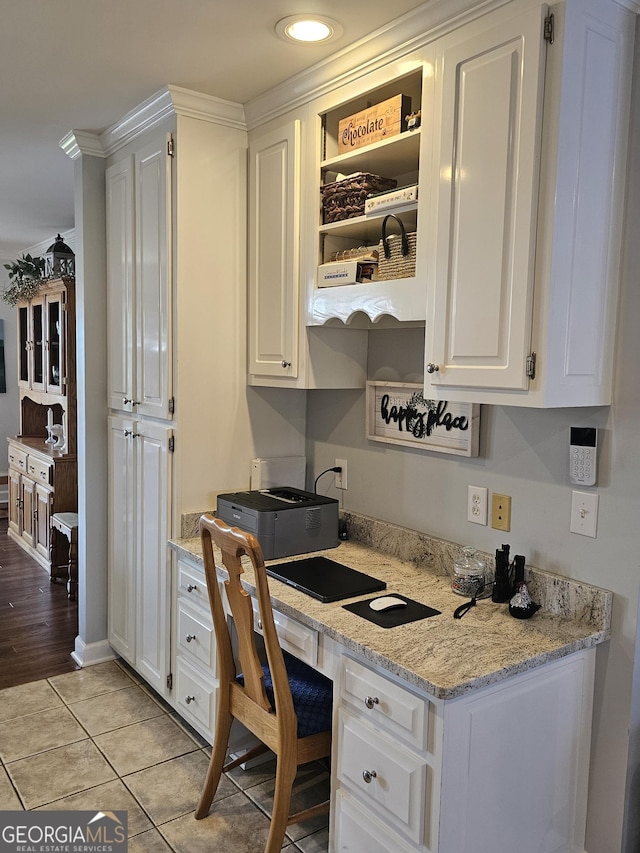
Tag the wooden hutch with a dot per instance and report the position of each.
(43, 476)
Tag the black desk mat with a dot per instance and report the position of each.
(391, 618)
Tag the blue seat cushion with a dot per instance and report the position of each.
(312, 695)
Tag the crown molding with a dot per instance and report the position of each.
(387, 44)
(167, 102)
(390, 43)
(78, 142)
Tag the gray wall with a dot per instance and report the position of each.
(524, 453)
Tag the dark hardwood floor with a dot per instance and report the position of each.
(38, 623)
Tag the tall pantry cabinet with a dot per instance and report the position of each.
(175, 255)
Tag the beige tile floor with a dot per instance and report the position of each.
(99, 739)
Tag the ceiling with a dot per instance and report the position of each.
(83, 64)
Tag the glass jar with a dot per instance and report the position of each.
(469, 575)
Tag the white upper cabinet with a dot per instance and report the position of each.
(528, 174)
(138, 264)
(282, 351)
(274, 235)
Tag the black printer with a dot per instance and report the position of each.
(286, 521)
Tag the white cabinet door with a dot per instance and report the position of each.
(521, 749)
(139, 281)
(153, 484)
(153, 278)
(140, 480)
(121, 559)
(274, 201)
(489, 84)
(120, 282)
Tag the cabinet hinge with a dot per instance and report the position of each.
(531, 366)
(172, 444)
(170, 681)
(549, 29)
(171, 148)
(172, 405)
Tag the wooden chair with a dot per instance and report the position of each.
(284, 703)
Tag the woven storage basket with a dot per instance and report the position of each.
(396, 252)
(345, 199)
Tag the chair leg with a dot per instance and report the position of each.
(286, 769)
(218, 755)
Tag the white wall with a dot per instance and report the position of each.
(524, 454)
(9, 402)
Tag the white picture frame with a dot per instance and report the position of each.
(398, 413)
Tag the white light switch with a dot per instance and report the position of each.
(584, 513)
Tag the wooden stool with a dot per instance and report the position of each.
(65, 523)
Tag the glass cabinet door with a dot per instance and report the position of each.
(24, 345)
(38, 344)
(55, 348)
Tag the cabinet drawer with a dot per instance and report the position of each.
(389, 779)
(384, 703)
(356, 828)
(192, 585)
(40, 471)
(195, 694)
(17, 458)
(196, 637)
(296, 638)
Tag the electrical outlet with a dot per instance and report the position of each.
(584, 513)
(477, 504)
(341, 477)
(501, 512)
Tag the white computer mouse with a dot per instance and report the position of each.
(387, 602)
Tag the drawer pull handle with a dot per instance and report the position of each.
(371, 701)
(190, 699)
(192, 587)
(190, 637)
(260, 624)
(368, 775)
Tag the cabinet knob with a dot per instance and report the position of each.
(368, 775)
(191, 587)
(286, 364)
(370, 701)
(190, 637)
(131, 433)
(189, 699)
(127, 400)
(433, 368)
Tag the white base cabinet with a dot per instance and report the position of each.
(194, 664)
(501, 769)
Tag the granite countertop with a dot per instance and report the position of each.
(443, 656)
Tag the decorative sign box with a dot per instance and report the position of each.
(385, 119)
(398, 413)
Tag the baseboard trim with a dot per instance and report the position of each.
(88, 654)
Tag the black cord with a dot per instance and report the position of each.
(336, 469)
(459, 612)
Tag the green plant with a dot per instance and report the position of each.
(25, 276)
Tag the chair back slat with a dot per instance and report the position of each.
(234, 544)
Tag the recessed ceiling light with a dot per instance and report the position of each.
(308, 28)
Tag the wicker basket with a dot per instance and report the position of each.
(345, 199)
(396, 252)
